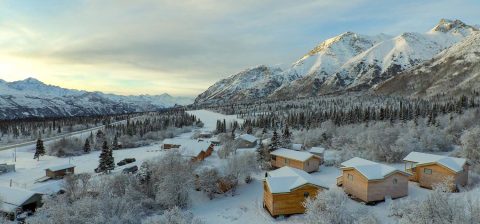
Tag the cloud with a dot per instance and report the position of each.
(183, 46)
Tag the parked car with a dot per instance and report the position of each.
(126, 161)
(132, 169)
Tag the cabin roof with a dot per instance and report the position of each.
(297, 147)
(453, 163)
(60, 167)
(371, 170)
(175, 141)
(319, 150)
(292, 154)
(286, 179)
(194, 148)
(13, 198)
(248, 137)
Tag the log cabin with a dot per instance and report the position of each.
(246, 141)
(285, 190)
(196, 150)
(370, 182)
(429, 169)
(14, 201)
(296, 159)
(58, 172)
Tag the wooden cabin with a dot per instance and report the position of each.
(246, 141)
(197, 150)
(319, 152)
(172, 143)
(285, 190)
(371, 182)
(58, 172)
(14, 201)
(296, 159)
(429, 169)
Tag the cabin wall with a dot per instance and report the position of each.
(279, 162)
(358, 187)
(59, 173)
(461, 178)
(439, 174)
(267, 198)
(378, 190)
(288, 203)
(311, 165)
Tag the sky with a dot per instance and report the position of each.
(183, 47)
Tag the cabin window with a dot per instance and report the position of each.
(395, 181)
(350, 177)
(427, 171)
(306, 194)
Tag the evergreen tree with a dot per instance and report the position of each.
(39, 150)
(275, 141)
(115, 143)
(86, 147)
(107, 162)
(286, 138)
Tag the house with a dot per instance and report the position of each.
(196, 150)
(247, 141)
(319, 152)
(58, 172)
(428, 169)
(285, 190)
(298, 147)
(296, 159)
(172, 143)
(371, 182)
(14, 201)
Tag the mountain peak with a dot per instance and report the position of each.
(447, 25)
(31, 80)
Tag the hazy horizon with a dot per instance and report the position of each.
(181, 48)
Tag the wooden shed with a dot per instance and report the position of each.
(196, 150)
(285, 190)
(429, 169)
(172, 143)
(297, 159)
(371, 182)
(246, 141)
(14, 201)
(319, 152)
(58, 172)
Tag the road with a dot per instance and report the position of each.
(60, 136)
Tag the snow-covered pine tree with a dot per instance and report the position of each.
(115, 143)
(106, 163)
(86, 147)
(39, 150)
(286, 138)
(275, 141)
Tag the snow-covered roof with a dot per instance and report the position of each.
(292, 154)
(317, 150)
(248, 138)
(60, 167)
(297, 147)
(453, 163)
(174, 141)
(193, 148)
(286, 179)
(371, 170)
(12, 198)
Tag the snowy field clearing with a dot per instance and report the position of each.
(244, 207)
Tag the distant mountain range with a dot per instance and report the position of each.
(355, 62)
(33, 98)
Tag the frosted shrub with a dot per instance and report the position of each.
(173, 216)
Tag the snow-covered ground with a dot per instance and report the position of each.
(244, 207)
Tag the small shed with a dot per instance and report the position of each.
(58, 172)
(429, 169)
(171, 143)
(15, 200)
(319, 152)
(285, 190)
(298, 147)
(297, 159)
(247, 141)
(371, 182)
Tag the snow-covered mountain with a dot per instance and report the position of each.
(454, 71)
(348, 62)
(31, 97)
(256, 82)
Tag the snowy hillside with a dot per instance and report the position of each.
(453, 71)
(346, 62)
(31, 97)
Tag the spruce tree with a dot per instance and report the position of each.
(286, 138)
(275, 141)
(39, 150)
(86, 147)
(106, 163)
(115, 143)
